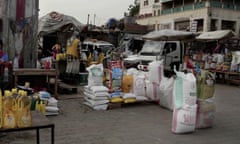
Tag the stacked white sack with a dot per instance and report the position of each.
(51, 103)
(137, 87)
(96, 97)
(185, 107)
(155, 76)
(206, 105)
(95, 75)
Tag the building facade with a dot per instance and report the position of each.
(18, 30)
(191, 15)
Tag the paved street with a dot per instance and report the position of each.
(136, 124)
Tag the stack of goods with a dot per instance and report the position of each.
(95, 75)
(235, 64)
(155, 77)
(96, 97)
(134, 85)
(47, 104)
(166, 92)
(206, 105)
(115, 81)
(185, 107)
(15, 109)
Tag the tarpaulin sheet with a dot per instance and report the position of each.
(54, 21)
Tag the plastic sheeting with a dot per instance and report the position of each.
(54, 21)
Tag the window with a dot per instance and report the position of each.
(156, 1)
(169, 47)
(145, 3)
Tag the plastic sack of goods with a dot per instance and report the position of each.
(185, 107)
(95, 75)
(96, 97)
(166, 92)
(15, 109)
(205, 113)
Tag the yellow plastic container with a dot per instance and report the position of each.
(24, 117)
(9, 118)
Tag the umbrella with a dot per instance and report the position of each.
(169, 35)
(215, 35)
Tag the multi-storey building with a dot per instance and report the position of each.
(192, 15)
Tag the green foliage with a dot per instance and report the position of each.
(134, 8)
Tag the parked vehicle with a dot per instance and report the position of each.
(172, 52)
(103, 46)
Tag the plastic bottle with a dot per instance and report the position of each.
(24, 117)
(9, 118)
(5, 74)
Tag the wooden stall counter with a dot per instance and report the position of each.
(34, 72)
(39, 121)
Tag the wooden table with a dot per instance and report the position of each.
(39, 121)
(33, 72)
(228, 76)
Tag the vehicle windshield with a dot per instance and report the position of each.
(106, 48)
(151, 48)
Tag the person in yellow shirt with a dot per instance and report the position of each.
(72, 48)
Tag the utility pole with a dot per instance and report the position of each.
(88, 19)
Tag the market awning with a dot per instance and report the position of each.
(215, 35)
(170, 35)
(54, 21)
(162, 1)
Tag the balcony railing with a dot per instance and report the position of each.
(188, 7)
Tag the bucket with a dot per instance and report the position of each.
(83, 78)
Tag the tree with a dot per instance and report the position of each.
(134, 8)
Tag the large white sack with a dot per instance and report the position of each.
(97, 107)
(155, 71)
(152, 91)
(139, 85)
(95, 102)
(95, 75)
(185, 90)
(96, 96)
(166, 89)
(96, 89)
(184, 119)
(205, 113)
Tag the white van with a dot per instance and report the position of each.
(96, 44)
(172, 52)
